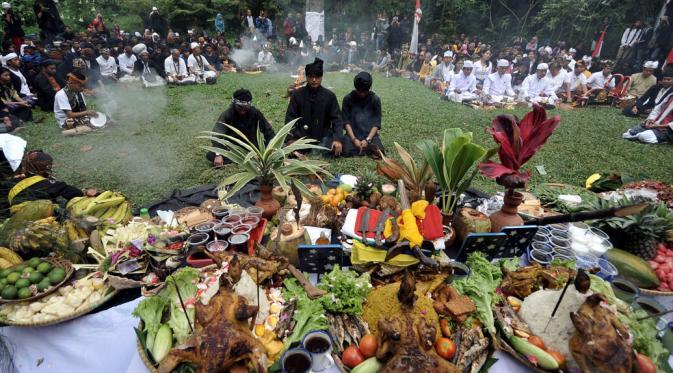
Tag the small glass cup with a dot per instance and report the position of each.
(541, 257)
(241, 229)
(544, 247)
(220, 212)
(563, 253)
(255, 211)
(251, 220)
(587, 261)
(319, 344)
(296, 360)
(543, 231)
(542, 239)
(608, 271)
(221, 231)
(232, 219)
(197, 239)
(599, 233)
(239, 242)
(240, 211)
(217, 246)
(559, 226)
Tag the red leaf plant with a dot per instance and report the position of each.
(518, 140)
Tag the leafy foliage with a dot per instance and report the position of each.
(267, 163)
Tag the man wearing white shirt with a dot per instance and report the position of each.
(176, 69)
(657, 128)
(498, 86)
(126, 61)
(602, 79)
(577, 81)
(559, 80)
(571, 53)
(107, 65)
(629, 38)
(537, 88)
(264, 57)
(14, 65)
(199, 66)
(463, 85)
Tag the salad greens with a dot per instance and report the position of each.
(346, 291)
(481, 287)
(645, 338)
(309, 314)
(570, 264)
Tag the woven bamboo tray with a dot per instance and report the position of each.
(656, 293)
(111, 292)
(143, 353)
(56, 262)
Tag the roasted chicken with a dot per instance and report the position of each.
(600, 343)
(526, 280)
(222, 341)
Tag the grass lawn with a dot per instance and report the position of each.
(153, 148)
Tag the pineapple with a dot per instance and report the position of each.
(365, 186)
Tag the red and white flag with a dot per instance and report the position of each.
(669, 59)
(599, 45)
(413, 46)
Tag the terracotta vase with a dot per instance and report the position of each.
(449, 230)
(267, 202)
(507, 216)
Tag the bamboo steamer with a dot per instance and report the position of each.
(291, 236)
(469, 220)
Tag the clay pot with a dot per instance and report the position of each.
(267, 202)
(447, 219)
(449, 236)
(507, 216)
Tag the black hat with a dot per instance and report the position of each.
(315, 68)
(242, 97)
(668, 73)
(363, 81)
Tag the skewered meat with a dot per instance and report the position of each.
(404, 346)
(222, 340)
(600, 343)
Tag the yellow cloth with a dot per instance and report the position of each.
(409, 230)
(418, 208)
(426, 70)
(417, 211)
(363, 254)
(23, 185)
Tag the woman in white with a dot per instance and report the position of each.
(483, 67)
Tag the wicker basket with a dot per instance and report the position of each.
(111, 292)
(655, 293)
(143, 353)
(56, 262)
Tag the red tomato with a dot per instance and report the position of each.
(445, 348)
(368, 345)
(537, 341)
(646, 365)
(352, 357)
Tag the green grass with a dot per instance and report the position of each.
(153, 148)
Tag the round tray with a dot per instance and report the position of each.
(56, 262)
(111, 292)
(656, 293)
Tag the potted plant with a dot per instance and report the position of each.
(416, 176)
(267, 164)
(518, 140)
(450, 161)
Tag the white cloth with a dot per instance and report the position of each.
(533, 88)
(598, 80)
(24, 83)
(558, 81)
(630, 36)
(575, 80)
(661, 112)
(443, 72)
(480, 71)
(315, 24)
(126, 63)
(61, 104)
(465, 84)
(498, 85)
(647, 137)
(195, 67)
(173, 68)
(13, 148)
(103, 342)
(265, 58)
(107, 67)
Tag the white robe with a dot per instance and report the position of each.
(558, 81)
(532, 90)
(499, 87)
(126, 63)
(597, 81)
(575, 80)
(467, 85)
(174, 69)
(107, 67)
(198, 70)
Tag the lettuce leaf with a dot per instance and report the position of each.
(346, 291)
(645, 339)
(481, 287)
(151, 310)
(309, 314)
(185, 279)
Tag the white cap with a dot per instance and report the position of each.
(138, 48)
(9, 57)
(137, 34)
(503, 63)
(651, 64)
(548, 49)
(542, 66)
(6, 5)
(586, 58)
(293, 41)
(572, 50)
(468, 65)
(193, 45)
(154, 9)
(13, 148)
(569, 57)
(448, 54)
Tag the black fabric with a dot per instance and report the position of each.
(45, 189)
(247, 124)
(363, 81)
(45, 92)
(138, 67)
(315, 68)
(319, 113)
(179, 199)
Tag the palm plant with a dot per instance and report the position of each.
(450, 161)
(267, 163)
(415, 175)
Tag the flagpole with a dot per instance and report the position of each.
(413, 46)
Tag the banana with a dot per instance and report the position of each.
(73, 201)
(81, 233)
(103, 196)
(120, 214)
(5, 264)
(70, 230)
(81, 206)
(10, 256)
(111, 212)
(103, 204)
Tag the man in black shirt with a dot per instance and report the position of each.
(47, 83)
(361, 113)
(318, 110)
(245, 118)
(654, 96)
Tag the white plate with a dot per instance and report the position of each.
(98, 121)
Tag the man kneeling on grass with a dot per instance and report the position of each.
(245, 118)
(361, 116)
(657, 128)
(69, 105)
